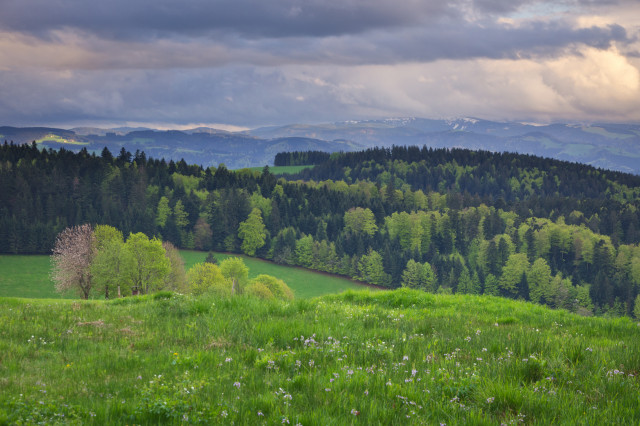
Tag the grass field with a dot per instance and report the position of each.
(28, 276)
(59, 139)
(389, 358)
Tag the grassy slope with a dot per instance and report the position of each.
(28, 276)
(303, 282)
(368, 358)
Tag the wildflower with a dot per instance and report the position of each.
(405, 358)
(228, 360)
(224, 413)
(490, 400)
(327, 389)
(260, 413)
(366, 392)
(478, 332)
(589, 349)
(468, 338)
(354, 412)
(237, 384)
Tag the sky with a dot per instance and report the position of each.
(236, 64)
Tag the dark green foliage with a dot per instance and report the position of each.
(462, 212)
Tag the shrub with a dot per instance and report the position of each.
(278, 288)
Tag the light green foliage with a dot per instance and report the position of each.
(111, 263)
(180, 215)
(584, 300)
(259, 202)
(252, 232)
(465, 284)
(636, 307)
(324, 256)
(371, 270)
(409, 229)
(236, 272)
(539, 278)
(419, 276)
(360, 221)
(164, 211)
(177, 279)
(208, 278)
(516, 266)
(105, 234)
(277, 288)
(304, 251)
(112, 268)
(259, 290)
(189, 183)
(150, 264)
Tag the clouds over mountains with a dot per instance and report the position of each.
(251, 62)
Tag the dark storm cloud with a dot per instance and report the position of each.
(252, 62)
(537, 39)
(248, 18)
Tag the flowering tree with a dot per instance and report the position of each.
(73, 253)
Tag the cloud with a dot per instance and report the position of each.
(256, 62)
(247, 18)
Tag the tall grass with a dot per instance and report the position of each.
(400, 357)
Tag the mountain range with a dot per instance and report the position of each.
(609, 146)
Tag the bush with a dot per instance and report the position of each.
(278, 288)
(260, 290)
(207, 278)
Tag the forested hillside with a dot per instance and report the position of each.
(561, 234)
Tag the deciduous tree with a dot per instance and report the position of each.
(150, 264)
(74, 250)
(252, 232)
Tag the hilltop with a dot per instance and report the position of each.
(386, 357)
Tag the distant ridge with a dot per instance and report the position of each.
(606, 145)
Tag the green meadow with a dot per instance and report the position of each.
(386, 357)
(28, 276)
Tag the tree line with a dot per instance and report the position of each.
(99, 262)
(386, 233)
